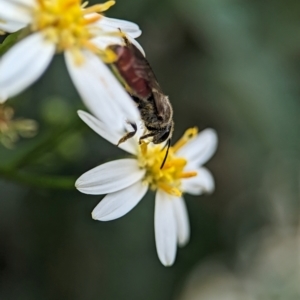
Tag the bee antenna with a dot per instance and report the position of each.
(124, 37)
(168, 144)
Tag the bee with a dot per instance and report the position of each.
(154, 106)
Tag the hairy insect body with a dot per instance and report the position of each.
(153, 121)
(155, 108)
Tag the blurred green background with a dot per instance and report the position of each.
(227, 64)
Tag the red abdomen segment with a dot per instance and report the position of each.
(129, 68)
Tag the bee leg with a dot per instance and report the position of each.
(146, 136)
(128, 135)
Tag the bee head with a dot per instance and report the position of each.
(163, 134)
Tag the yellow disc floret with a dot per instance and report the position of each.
(67, 23)
(170, 176)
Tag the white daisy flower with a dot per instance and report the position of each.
(83, 34)
(126, 181)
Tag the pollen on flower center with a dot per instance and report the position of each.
(66, 22)
(170, 176)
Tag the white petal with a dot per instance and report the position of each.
(28, 3)
(12, 11)
(89, 80)
(182, 221)
(137, 44)
(109, 132)
(100, 90)
(127, 27)
(202, 183)
(118, 204)
(201, 149)
(110, 177)
(23, 64)
(165, 228)
(11, 26)
(102, 42)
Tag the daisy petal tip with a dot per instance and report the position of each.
(80, 112)
(167, 261)
(212, 134)
(209, 191)
(183, 244)
(101, 216)
(183, 241)
(95, 216)
(79, 185)
(206, 190)
(80, 189)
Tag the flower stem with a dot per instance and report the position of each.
(37, 180)
(47, 144)
(11, 171)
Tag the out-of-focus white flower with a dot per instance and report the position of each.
(83, 34)
(267, 267)
(126, 181)
(212, 280)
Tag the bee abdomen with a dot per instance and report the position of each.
(129, 70)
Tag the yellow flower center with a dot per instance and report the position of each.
(170, 176)
(68, 24)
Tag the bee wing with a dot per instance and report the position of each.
(145, 71)
(161, 102)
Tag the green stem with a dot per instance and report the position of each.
(12, 170)
(45, 145)
(41, 181)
